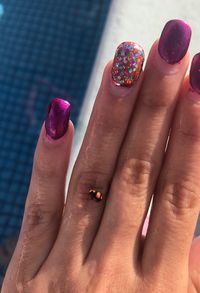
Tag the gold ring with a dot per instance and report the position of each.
(95, 195)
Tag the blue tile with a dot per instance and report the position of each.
(47, 49)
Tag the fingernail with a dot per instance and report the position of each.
(57, 118)
(195, 73)
(127, 64)
(174, 41)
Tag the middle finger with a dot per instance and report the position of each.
(141, 155)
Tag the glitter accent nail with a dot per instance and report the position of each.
(127, 64)
(57, 118)
(195, 73)
(174, 41)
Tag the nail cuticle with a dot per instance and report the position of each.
(118, 91)
(193, 96)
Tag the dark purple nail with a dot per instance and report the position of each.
(174, 41)
(195, 73)
(57, 118)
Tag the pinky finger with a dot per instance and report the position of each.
(45, 201)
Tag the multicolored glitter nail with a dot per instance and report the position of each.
(127, 64)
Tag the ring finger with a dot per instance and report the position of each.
(97, 158)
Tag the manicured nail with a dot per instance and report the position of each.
(127, 64)
(57, 118)
(195, 73)
(174, 41)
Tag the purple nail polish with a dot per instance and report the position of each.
(195, 73)
(57, 118)
(174, 41)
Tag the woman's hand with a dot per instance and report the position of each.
(88, 245)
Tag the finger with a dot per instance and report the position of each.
(97, 158)
(194, 263)
(141, 156)
(45, 201)
(177, 202)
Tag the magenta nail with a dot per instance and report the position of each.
(57, 118)
(195, 73)
(174, 41)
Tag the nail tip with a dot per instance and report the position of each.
(61, 102)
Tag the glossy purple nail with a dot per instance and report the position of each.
(174, 41)
(195, 73)
(57, 118)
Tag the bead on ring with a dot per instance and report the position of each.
(95, 195)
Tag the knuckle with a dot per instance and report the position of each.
(134, 175)
(154, 101)
(182, 197)
(90, 180)
(189, 134)
(45, 170)
(37, 215)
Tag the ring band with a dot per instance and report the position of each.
(95, 195)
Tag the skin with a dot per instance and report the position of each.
(84, 246)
